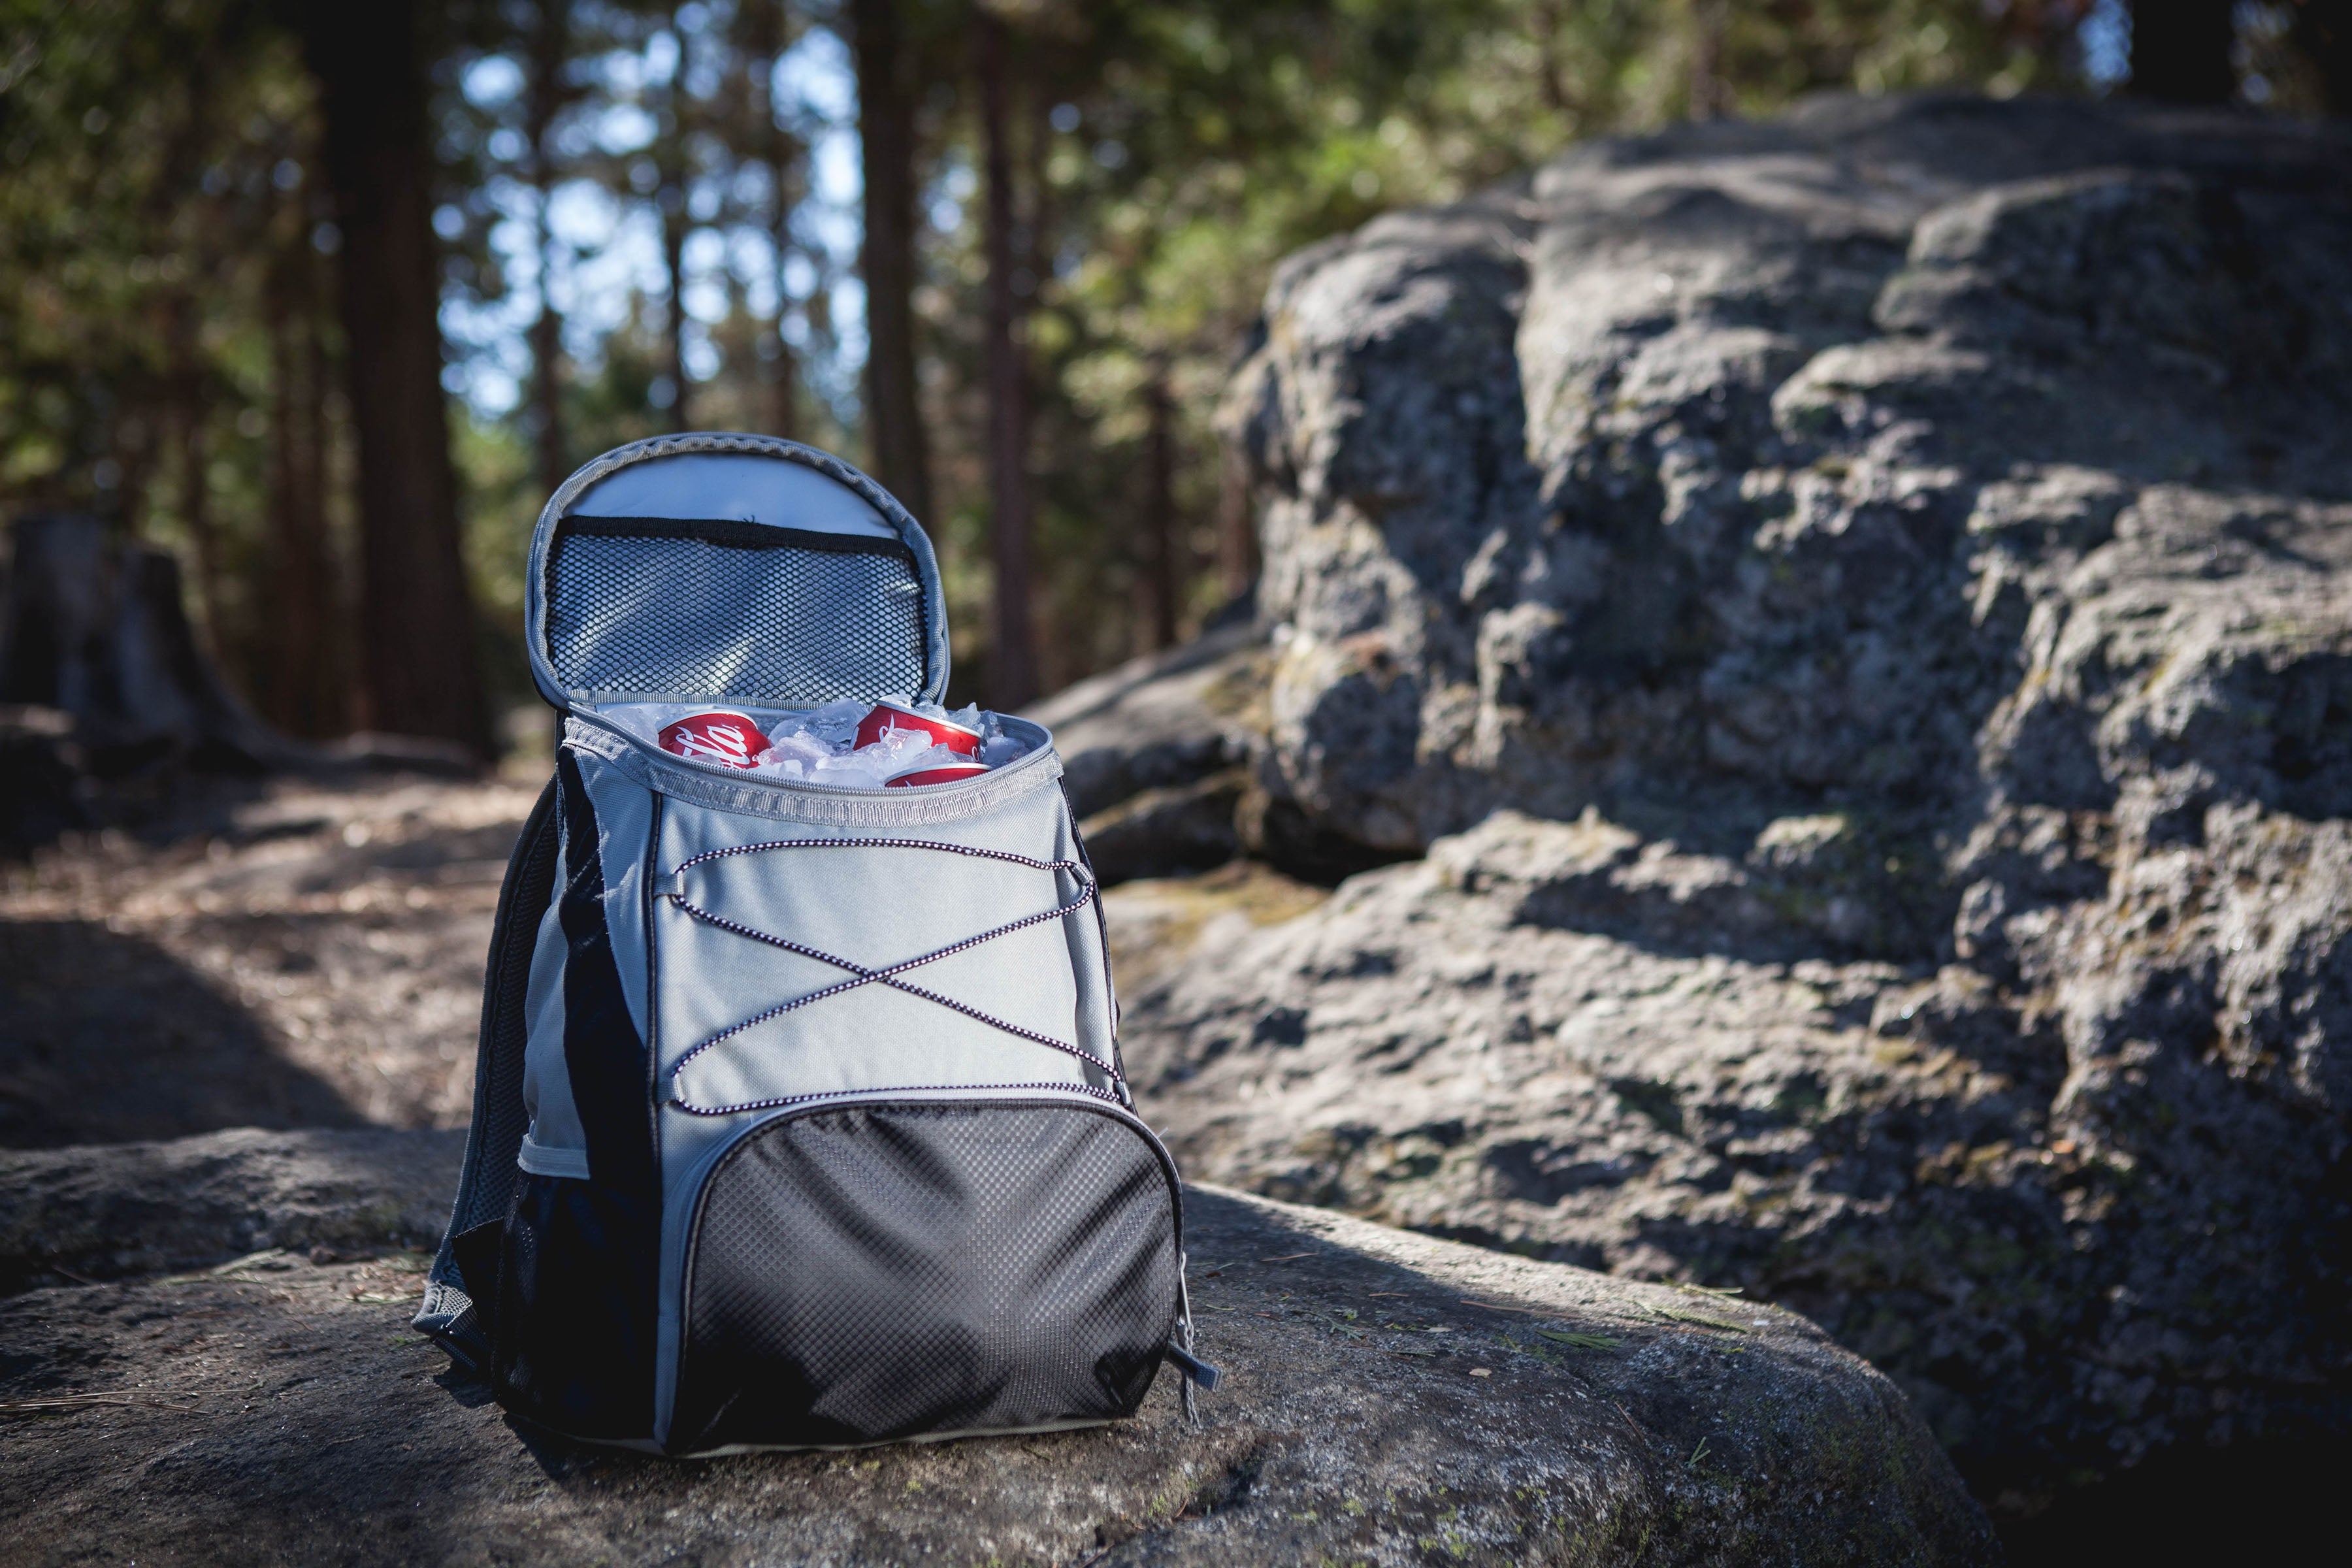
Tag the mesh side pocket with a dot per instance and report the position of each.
(860, 1275)
(734, 611)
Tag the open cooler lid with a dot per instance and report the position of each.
(731, 569)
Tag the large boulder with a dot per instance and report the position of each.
(1736, 463)
(1389, 1399)
(1892, 569)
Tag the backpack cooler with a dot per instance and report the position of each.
(799, 1118)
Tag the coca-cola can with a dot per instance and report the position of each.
(886, 717)
(729, 739)
(936, 773)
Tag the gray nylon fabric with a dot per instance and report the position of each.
(874, 907)
(546, 1077)
(604, 468)
(752, 488)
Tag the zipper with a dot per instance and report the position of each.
(789, 1100)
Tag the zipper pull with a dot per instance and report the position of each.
(1194, 1369)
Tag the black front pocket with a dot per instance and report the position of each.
(885, 1271)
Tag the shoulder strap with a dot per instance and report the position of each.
(486, 1185)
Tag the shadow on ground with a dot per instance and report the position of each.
(107, 1038)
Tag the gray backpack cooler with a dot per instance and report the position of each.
(799, 1118)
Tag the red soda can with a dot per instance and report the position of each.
(886, 717)
(729, 739)
(938, 772)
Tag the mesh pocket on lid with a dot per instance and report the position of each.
(734, 611)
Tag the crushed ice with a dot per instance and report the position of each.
(817, 745)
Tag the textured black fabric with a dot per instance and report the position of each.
(477, 1251)
(577, 1307)
(573, 1326)
(732, 611)
(882, 1272)
(500, 1118)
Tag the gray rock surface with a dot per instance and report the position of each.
(99, 1211)
(1891, 566)
(275, 1410)
(1737, 460)
(1161, 722)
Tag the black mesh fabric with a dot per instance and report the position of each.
(882, 1272)
(573, 1333)
(732, 611)
(499, 1117)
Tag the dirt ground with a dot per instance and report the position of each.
(295, 955)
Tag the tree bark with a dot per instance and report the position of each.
(301, 694)
(1550, 74)
(195, 459)
(550, 45)
(1013, 650)
(1158, 566)
(2322, 31)
(886, 129)
(2180, 51)
(770, 34)
(671, 201)
(1710, 92)
(417, 625)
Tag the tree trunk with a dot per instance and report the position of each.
(1013, 650)
(672, 203)
(1550, 74)
(769, 32)
(97, 629)
(417, 625)
(2180, 51)
(550, 44)
(301, 694)
(1710, 91)
(886, 129)
(669, 206)
(2322, 31)
(1157, 565)
(195, 459)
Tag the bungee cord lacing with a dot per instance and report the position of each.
(889, 975)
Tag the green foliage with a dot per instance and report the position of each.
(155, 173)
